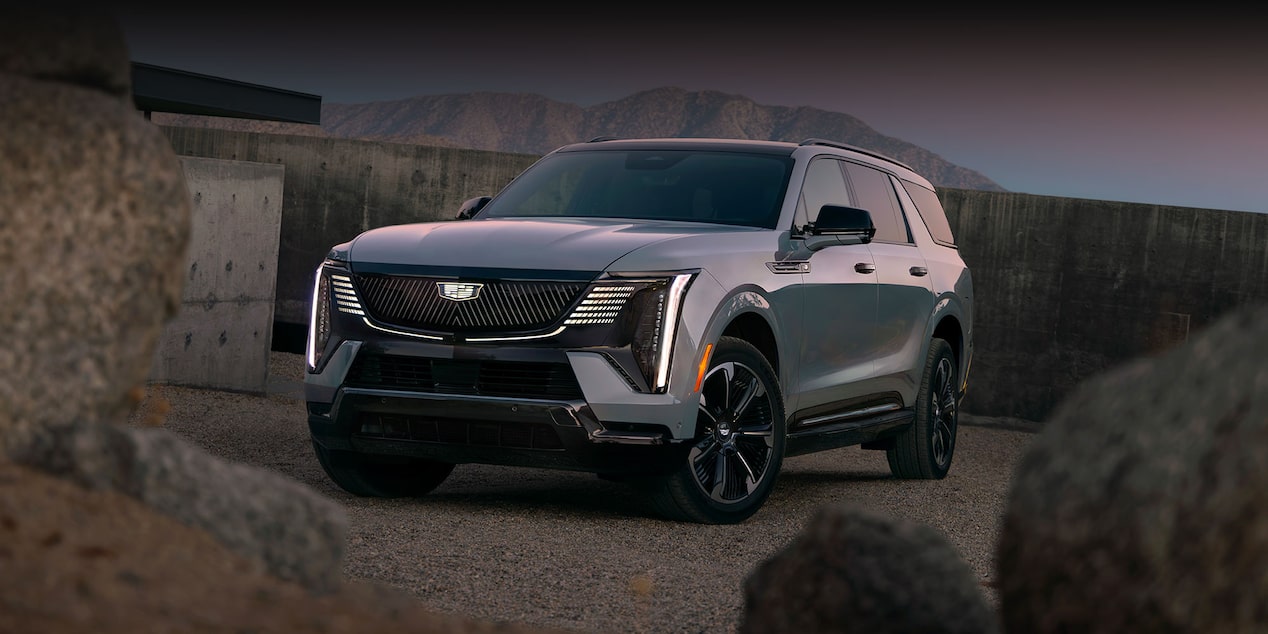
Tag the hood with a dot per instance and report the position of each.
(553, 244)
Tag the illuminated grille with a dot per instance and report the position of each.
(512, 379)
(497, 306)
(601, 306)
(344, 295)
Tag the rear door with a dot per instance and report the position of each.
(904, 293)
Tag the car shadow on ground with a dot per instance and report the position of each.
(482, 489)
(528, 493)
(811, 479)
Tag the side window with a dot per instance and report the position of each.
(825, 185)
(876, 194)
(930, 209)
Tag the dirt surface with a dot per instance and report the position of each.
(492, 549)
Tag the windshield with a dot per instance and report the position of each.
(688, 185)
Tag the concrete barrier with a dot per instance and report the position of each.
(221, 338)
(1068, 287)
(1065, 287)
(337, 188)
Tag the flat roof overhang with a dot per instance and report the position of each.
(160, 89)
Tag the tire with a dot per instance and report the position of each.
(731, 467)
(381, 476)
(924, 451)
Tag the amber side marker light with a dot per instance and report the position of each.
(704, 365)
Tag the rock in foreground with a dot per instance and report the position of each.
(77, 560)
(852, 570)
(1142, 506)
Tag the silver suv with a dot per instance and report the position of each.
(679, 314)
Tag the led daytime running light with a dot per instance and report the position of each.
(668, 320)
(601, 306)
(345, 295)
(319, 319)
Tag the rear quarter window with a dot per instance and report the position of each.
(930, 210)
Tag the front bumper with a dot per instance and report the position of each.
(608, 428)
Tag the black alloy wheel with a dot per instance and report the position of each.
(925, 450)
(731, 467)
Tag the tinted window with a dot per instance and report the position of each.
(876, 194)
(930, 209)
(825, 185)
(718, 187)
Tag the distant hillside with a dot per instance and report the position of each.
(532, 124)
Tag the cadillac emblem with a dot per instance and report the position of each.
(459, 291)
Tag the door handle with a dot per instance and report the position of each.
(865, 267)
(919, 271)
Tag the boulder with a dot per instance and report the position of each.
(853, 570)
(71, 45)
(94, 228)
(78, 560)
(296, 533)
(1142, 505)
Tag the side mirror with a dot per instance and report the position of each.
(840, 225)
(472, 206)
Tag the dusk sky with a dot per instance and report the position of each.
(1154, 108)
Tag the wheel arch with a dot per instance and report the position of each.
(950, 330)
(753, 328)
(747, 314)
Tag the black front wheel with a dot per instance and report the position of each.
(731, 466)
(924, 451)
(381, 476)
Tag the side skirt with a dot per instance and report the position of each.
(874, 430)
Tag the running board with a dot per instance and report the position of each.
(847, 433)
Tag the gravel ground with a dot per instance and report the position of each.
(567, 550)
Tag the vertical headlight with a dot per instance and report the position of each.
(654, 310)
(319, 322)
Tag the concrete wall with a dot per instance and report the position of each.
(1069, 287)
(1065, 287)
(221, 338)
(337, 188)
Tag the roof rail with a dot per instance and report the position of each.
(855, 148)
(602, 138)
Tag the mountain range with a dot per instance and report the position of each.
(527, 123)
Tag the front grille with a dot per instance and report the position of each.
(458, 431)
(493, 306)
(512, 379)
